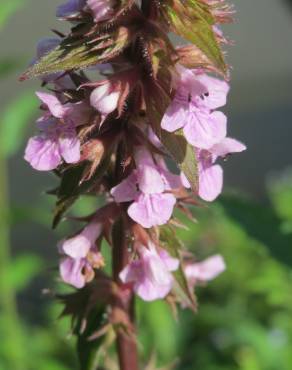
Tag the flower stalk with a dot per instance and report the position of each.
(126, 342)
(113, 136)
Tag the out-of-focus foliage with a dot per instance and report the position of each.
(244, 318)
(7, 8)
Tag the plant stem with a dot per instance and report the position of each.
(11, 323)
(126, 344)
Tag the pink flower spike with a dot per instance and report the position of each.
(206, 270)
(103, 99)
(150, 275)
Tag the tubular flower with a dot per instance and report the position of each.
(193, 109)
(147, 187)
(57, 140)
(211, 174)
(205, 271)
(150, 274)
(81, 256)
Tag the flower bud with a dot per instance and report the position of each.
(104, 99)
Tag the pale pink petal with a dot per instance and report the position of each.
(150, 291)
(70, 148)
(143, 156)
(126, 190)
(101, 9)
(210, 183)
(79, 245)
(42, 153)
(150, 275)
(132, 272)
(175, 117)
(103, 100)
(54, 105)
(157, 280)
(204, 129)
(188, 83)
(227, 146)
(171, 181)
(217, 91)
(206, 270)
(152, 209)
(71, 272)
(149, 180)
(170, 263)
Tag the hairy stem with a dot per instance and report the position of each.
(126, 344)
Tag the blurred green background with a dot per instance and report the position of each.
(244, 319)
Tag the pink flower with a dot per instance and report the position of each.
(204, 271)
(150, 274)
(196, 97)
(210, 174)
(101, 9)
(57, 139)
(71, 7)
(81, 256)
(146, 187)
(104, 98)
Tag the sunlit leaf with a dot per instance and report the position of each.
(81, 53)
(192, 21)
(7, 9)
(25, 268)
(173, 245)
(183, 154)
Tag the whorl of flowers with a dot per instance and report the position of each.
(147, 104)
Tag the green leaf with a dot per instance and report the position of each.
(194, 23)
(25, 268)
(82, 52)
(9, 65)
(183, 154)
(7, 8)
(14, 121)
(173, 245)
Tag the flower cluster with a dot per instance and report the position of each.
(145, 135)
